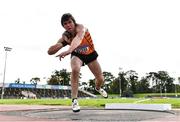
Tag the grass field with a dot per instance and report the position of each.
(175, 102)
(156, 94)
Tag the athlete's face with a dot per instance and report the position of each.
(69, 25)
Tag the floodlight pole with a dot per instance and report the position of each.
(6, 50)
(120, 90)
(176, 90)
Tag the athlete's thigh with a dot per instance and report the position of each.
(95, 68)
(76, 62)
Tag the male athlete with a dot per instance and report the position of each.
(82, 52)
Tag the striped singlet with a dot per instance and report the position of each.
(86, 46)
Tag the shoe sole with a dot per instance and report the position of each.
(76, 110)
(106, 97)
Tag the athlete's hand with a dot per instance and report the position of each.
(63, 54)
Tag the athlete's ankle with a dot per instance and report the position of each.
(74, 99)
(97, 89)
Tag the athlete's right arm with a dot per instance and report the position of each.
(56, 47)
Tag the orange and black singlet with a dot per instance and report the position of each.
(86, 46)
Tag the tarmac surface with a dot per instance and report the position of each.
(42, 113)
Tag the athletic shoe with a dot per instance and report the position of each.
(102, 92)
(75, 106)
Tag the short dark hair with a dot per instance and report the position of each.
(66, 17)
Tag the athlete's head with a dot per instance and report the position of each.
(68, 22)
(65, 17)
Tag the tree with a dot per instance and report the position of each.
(179, 79)
(108, 79)
(115, 87)
(17, 81)
(53, 80)
(61, 77)
(91, 87)
(178, 87)
(132, 78)
(64, 77)
(83, 85)
(119, 84)
(163, 82)
(35, 80)
(143, 86)
(152, 77)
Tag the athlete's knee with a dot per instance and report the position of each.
(75, 69)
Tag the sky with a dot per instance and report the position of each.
(140, 35)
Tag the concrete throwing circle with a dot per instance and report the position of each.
(97, 115)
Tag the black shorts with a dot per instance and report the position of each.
(85, 58)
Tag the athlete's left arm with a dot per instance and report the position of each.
(75, 42)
